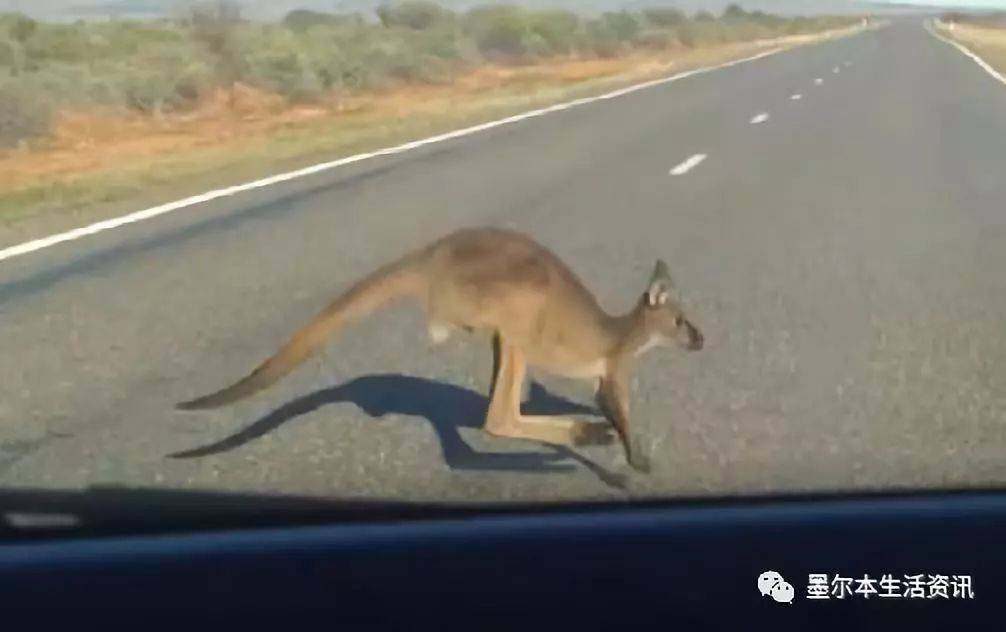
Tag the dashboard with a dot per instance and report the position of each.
(686, 565)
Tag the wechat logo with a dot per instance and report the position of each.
(772, 584)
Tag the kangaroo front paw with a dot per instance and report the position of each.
(638, 460)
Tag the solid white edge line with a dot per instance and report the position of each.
(138, 216)
(759, 118)
(967, 51)
(688, 165)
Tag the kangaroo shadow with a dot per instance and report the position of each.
(446, 407)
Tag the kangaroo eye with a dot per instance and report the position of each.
(679, 320)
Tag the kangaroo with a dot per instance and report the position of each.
(538, 312)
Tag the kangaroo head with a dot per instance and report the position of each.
(663, 316)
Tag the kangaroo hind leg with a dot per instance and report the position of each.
(504, 418)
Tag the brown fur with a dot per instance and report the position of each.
(537, 310)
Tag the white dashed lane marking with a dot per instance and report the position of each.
(796, 97)
(688, 165)
(760, 118)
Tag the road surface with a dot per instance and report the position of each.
(834, 217)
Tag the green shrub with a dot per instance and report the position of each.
(11, 56)
(664, 17)
(213, 23)
(62, 83)
(23, 115)
(218, 27)
(304, 19)
(122, 39)
(623, 25)
(557, 29)
(324, 54)
(500, 32)
(602, 38)
(713, 33)
(414, 14)
(657, 40)
(17, 26)
(798, 25)
(765, 19)
(160, 65)
(447, 43)
(339, 54)
(685, 33)
(369, 58)
(57, 43)
(147, 91)
(537, 48)
(391, 62)
(734, 12)
(165, 77)
(277, 62)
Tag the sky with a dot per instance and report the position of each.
(271, 9)
(994, 4)
(991, 4)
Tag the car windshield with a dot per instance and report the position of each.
(470, 252)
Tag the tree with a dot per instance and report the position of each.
(303, 19)
(22, 28)
(664, 17)
(734, 12)
(557, 28)
(23, 115)
(623, 24)
(603, 38)
(418, 15)
(213, 24)
(499, 31)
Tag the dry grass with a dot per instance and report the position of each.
(987, 42)
(100, 165)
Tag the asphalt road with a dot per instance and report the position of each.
(845, 258)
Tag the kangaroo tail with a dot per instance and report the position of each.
(401, 279)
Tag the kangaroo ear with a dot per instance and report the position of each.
(660, 285)
(660, 270)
